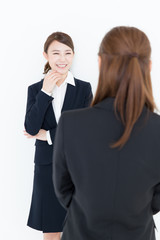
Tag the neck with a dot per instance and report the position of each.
(63, 77)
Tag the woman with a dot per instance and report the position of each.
(108, 177)
(57, 92)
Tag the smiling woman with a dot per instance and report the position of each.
(58, 49)
(57, 92)
(59, 57)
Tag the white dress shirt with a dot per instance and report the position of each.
(59, 94)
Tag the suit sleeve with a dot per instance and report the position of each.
(62, 181)
(89, 96)
(156, 200)
(37, 104)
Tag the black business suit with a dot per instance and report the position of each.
(110, 194)
(46, 213)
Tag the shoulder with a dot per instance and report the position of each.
(155, 119)
(37, 85)
(81, 83)
(151, 124)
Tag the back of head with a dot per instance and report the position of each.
(125, 74)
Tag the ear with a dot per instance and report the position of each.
(45, 55)
(150, 65)
(99, 61)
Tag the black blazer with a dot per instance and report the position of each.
(109, 193)
(40, 113)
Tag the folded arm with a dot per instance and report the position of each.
(37, 105)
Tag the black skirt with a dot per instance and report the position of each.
(46, 213)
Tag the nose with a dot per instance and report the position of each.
(62, 58)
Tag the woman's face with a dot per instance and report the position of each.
(59, 56)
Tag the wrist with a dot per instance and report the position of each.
(47, 92)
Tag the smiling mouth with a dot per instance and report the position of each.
(61, 65)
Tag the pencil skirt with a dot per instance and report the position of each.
(46, 213)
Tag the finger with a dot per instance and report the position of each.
(54, 81)
(54, 76)
(26, 134)
(30, 136)
(50, 73)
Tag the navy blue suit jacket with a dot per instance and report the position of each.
(40, 113)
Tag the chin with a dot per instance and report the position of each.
(62, 71)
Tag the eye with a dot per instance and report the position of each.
(68, 53)
(55, 53)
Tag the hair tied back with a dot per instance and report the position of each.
(134, 54)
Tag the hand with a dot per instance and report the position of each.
(41, 135)
(50, 81)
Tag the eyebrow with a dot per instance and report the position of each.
(59, 50)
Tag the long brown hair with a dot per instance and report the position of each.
(125, 74)
(60, 37)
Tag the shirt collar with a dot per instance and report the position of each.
(69, 79)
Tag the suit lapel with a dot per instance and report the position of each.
(67, 104)
(69, 97)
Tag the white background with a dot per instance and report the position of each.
(25, 25)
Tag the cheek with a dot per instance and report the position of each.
(70, 60)
(52, 62)
(52, 59)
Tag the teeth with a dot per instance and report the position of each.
(61, 65)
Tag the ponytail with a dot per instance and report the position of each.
(46, 68)
(130, 99)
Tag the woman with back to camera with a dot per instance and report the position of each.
(57, 92)
(112, 167)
